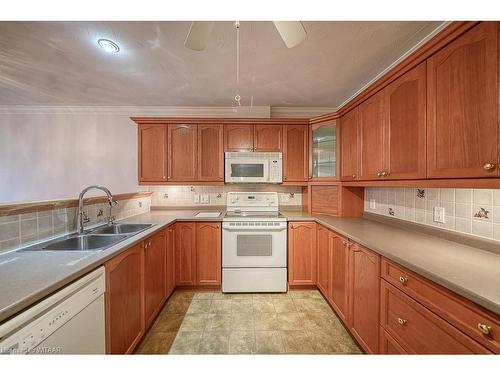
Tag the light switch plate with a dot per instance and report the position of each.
(439, 214)
(373, 204)
(205, 198)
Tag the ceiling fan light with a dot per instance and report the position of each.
(292, 32)
(108, 45)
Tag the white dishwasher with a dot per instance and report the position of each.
(70, 321)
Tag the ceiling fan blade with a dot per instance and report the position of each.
(292, 32)
(198, 35)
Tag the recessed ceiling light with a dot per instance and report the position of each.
(108, 45)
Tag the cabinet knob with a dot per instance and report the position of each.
(402, 321)
(284, 178)
(164, 176)
(486, 329)
(488, 166)
(403, 280)
(344, 243)
(218, 226)
(384, 173)
(353, 176)
(169, 176)
(379, 174)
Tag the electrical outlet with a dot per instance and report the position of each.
(196, 198)
(439, 214)
(373, 204)
(205, 198)
(165, 196)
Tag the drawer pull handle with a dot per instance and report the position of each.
(403, 280)
(402, 321)
(488, 166)
(484, 329)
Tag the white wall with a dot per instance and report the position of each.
(51, 156)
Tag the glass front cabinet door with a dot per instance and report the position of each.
(324, 151)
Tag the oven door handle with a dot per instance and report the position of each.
(254, 229)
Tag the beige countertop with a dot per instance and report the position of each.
(468, 271)
(27, 277)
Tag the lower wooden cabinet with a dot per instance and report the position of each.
(124, 301)
(208, 254)
(364, 297)
(170, 261)
(420, 331)
(324, 238)
(198, 253)
(339, 260)
(302, 253)
(388, 345)
(155, 275)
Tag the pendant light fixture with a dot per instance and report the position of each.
(237, 97)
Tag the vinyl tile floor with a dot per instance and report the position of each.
(297, 322)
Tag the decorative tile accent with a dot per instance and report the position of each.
(470, 211)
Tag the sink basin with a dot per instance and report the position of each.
(121, 229)
(85, 242)
(207, 215)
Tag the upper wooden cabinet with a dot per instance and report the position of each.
(349, 146)
(208, 253)
(210, 152)
(268, 138)
(238, 137)
(405, 119)
(247, 137)
(462, 106)
(372, 117)
(152, 147)
(295, 153)
(124, 301)
(182, 146)
(324, 151)
(302, 253)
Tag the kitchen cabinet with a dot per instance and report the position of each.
(349, 142)
(170, 260)
(324, 151)
(124, 300)
(155, 275)
(462, 106)
(405, 100)
(238, 137)
(182, 155)
(208, 253)
(372, 143)
(210, 153)
(364, 296)
(152, 148)
(324, 243)
(185, 253)
(295, 153)
(302, 253)
(339, 261)
(268, 138)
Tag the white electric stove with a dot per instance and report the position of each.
(254, 247)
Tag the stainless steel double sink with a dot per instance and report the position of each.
(95, 239)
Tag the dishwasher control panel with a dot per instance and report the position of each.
(29, 337)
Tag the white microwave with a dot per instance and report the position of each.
(253, 167)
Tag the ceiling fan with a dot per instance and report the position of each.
(292, 33)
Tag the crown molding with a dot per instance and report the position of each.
(306, 112)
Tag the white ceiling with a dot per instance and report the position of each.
(59, 63)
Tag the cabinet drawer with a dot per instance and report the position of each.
(418, 330)
(455, 309)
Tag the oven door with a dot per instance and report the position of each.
(245, 170)
(256, 247)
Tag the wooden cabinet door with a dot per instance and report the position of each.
(152, 148)
(349, 146)
(210, 152)
(302, 253)
(185, 253)
(267, 138)
(406, 124)
(323, 239)
(339, 276)
(372, 137)
(208, 253)
(295, 153)
(238, 137)
(124, 301)
(154, 275)
(364, 297)
(170, 267)
(324, 151)
(182, 150)
(462, 106)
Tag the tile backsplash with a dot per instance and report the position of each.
(179, 196)
(469, 211)
(21, 230)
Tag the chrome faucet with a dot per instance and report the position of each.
(81, 214)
